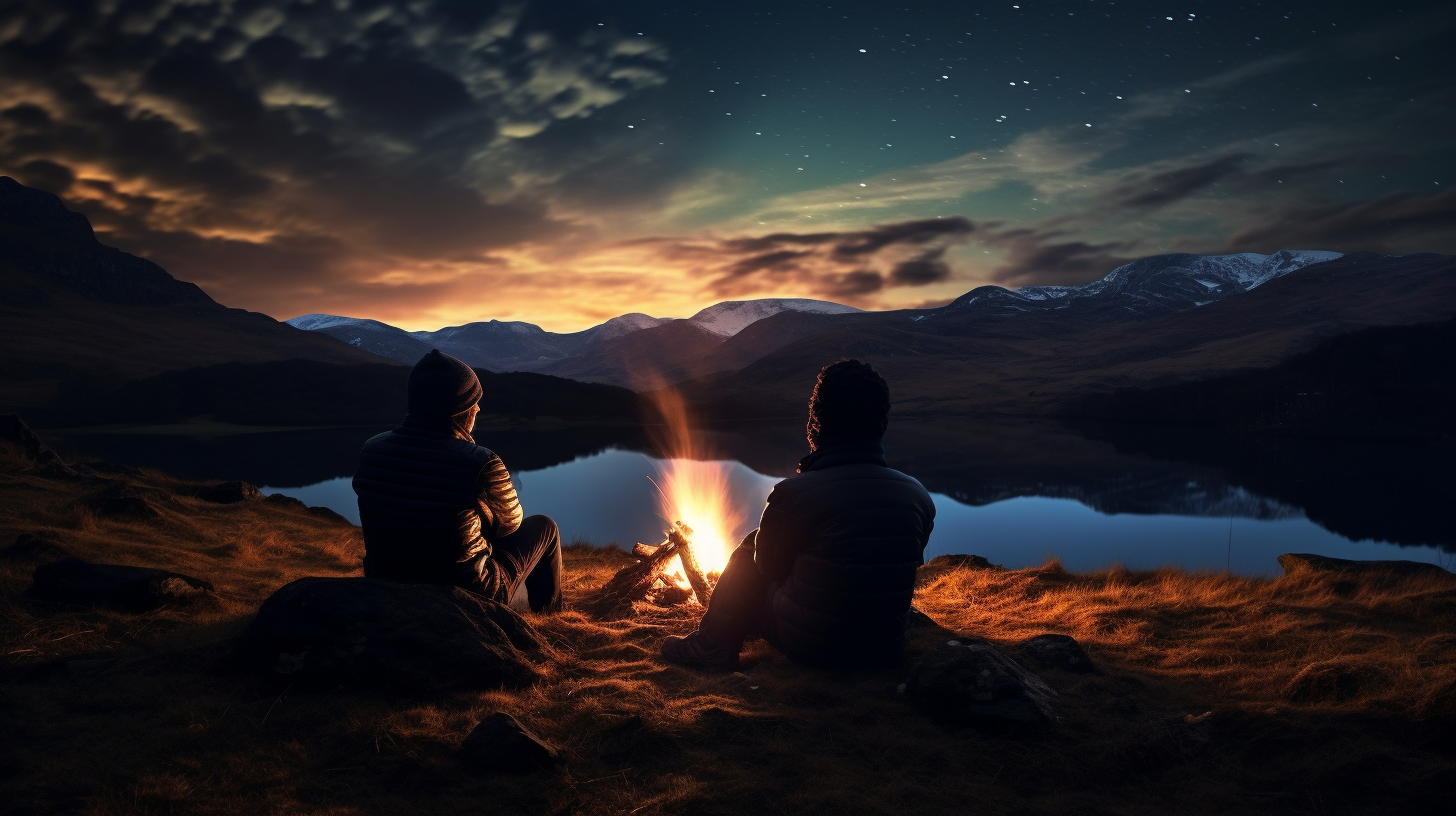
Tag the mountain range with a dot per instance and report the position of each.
(642, 352)
(78, 319)
(612, 352)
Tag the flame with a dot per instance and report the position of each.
(693, 488)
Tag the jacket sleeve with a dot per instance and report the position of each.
(500, 509)
(781, 536)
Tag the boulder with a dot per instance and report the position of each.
(962, 560)
(231, 493)
(126, 501)
(501, 743)
(411, 637)
(1294, 563)
(969, 681)
(1058, 651)
(32, 547)
(285, 501)
(43, 460)
(135, 589)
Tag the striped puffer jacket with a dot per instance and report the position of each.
(431, 503)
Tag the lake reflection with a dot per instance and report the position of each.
(1015, 491)
(609, 497)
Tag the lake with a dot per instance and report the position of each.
(1015, 492)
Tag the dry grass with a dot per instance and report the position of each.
(1325, 697)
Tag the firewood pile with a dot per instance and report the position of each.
(645, 580)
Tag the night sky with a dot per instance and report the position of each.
(441, 161)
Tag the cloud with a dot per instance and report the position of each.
(1389, 224)
(905, 254)
(231, 141)
(1046, 257)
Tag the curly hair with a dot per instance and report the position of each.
(850, 403)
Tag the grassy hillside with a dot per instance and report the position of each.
(1324, 698)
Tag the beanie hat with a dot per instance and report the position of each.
(441, 386)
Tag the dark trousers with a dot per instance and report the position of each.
(741, 607)
(530, 565)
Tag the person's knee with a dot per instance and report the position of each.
(544, 524)
(750, 541)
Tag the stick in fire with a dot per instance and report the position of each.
(632, 583)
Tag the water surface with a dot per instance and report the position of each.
(1015, 492)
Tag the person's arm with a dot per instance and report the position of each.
(781, 535)
(500, 509)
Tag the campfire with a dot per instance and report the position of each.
(695, 499)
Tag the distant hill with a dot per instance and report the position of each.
(998, 352)
(78, 314)
(602, 353)
(311, 393)
(1395, 383)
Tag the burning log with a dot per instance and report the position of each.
(681, 535)
(634, 582)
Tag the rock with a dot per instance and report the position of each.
(963, 560)
(43, 460)
(285, 501)
(1295, 563)
(135, 589)
(970, 681)
(360, 631)
(232, 493)
(1058, 651)
(31, 547)
(124, 501)
(326, 513)
(500, 743)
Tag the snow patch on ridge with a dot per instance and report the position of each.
(730, 317)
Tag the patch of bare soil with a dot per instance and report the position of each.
(1214, 693)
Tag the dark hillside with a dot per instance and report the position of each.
(1386, 382)
(305, 392)
(958, 363)
(79, 315)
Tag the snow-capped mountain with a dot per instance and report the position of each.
(362, 333)
(514, 345)
(622, 325)
(733, 316)
(1157, 284)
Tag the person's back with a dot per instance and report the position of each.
(419, 503)
(829, 574)
(438, 508)
(853, 532)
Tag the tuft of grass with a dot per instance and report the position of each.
(1325, 697)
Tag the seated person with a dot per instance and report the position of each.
(439, 509)
(829, 574)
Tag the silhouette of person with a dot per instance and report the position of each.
(829, 574)
(439, 509)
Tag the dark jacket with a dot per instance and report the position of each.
(430, 503)
(843, 540)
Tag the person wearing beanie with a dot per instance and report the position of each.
(439, 509)
(829, 574)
